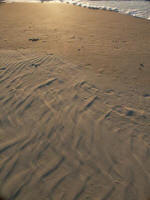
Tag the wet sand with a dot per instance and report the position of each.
(74, 104)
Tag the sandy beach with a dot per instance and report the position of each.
(74, 103)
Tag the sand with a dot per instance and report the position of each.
(74, 104)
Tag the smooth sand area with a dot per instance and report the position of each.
(74, 103)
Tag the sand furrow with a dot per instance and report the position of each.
(82, 189)
(53, 169)
(57, 184)
(9, 144)
(45, 83)
(64, 135)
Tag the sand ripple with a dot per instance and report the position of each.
(64, 136)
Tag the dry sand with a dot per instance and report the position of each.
(74, 105)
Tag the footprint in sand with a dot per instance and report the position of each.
(34, 39)
(109, 91)
(35, 65)
(130, 113)
(2, 68)
(146, 95)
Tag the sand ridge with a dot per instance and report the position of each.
(69, 138)
(74, 104)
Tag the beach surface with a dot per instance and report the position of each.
(74, 103)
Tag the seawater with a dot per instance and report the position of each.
(135, 8)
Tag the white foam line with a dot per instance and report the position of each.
(139, 8)
(113, 6)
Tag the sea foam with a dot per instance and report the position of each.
(135, 8)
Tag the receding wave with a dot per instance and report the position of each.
(135, 8)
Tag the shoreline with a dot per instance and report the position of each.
(108, 38)
(74, 103)
(93, 8)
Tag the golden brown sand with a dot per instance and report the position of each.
(74, 104)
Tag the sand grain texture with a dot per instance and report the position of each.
(66, 138)
(73, 131)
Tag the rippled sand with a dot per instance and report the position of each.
(74, 111)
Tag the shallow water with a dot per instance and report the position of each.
(135, 8)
